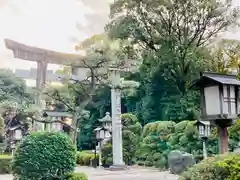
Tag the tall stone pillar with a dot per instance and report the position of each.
(116, 121)
(116, 127)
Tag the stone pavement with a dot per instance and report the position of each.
(134, 173)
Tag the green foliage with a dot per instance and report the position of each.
(14, 89)
(171, 58)
(154, 146)
(44, 155)
(186, 138)
(76, 176)
(223, 167)
(5, 164)
(107, 155)
(234, 135)
(86, 158)
(160, 137)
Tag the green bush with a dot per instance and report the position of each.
(221, 167)
(44, 155)
(5, 164)
(154, 146)
(86, 158)
(76, 176)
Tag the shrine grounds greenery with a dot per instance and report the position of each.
(221, 167)
(5, 164)
(150, 145)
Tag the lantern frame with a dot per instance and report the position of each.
(204, 129)
(101, 133)
(219, 96)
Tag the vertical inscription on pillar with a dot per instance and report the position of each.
(118, 106)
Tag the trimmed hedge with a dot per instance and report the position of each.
(76, 176)
(221, 167)
(86, 158)
(44, 155)
(5, 164)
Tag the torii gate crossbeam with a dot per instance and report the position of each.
(42, 57)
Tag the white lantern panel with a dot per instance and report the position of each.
(18, 134)
(201, 130)
(229, 100)
(233, 100)
(212, 101)
(225, 100)
(101, 134)
(98, 134)
(207, 131)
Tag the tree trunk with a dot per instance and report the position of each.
(73, 134)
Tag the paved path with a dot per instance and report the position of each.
(135, 173)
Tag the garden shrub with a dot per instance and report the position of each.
(86, 158)
(221, 167)
(154, 146)
(107, 155)
(44, 155)
(5, 164)
(234, 135)
(76, 176)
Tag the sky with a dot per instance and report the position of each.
(52, 24)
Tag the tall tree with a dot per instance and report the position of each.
(225, 56)
(172, 36)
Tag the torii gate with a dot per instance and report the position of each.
(42, 57)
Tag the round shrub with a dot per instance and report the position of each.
(220, 167)
(76, 176)
(86, 158)
(44, 155)
(5, 164)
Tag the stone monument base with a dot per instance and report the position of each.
(118, 168)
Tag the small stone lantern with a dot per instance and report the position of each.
(219, 102)
(101, 134)
(204, 130)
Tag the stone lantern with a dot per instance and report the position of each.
(101, 134)
(204, 130)
(219, 102)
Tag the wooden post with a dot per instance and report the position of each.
(223, 139)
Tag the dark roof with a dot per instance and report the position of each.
(15, 127)
(208, 78)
